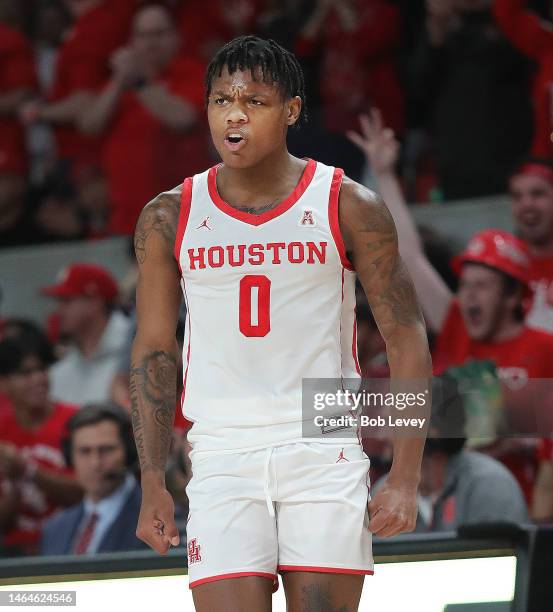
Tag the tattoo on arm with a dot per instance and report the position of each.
(153, 396)
(390, 290)
(160, 215)
(317, 598)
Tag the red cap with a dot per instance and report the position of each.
(497, 249)
(83, 279)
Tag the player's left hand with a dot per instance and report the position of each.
(393, 510)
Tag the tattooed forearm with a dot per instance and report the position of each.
(160, 215)
(153, 397)
(317, 598)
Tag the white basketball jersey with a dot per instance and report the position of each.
(270, 301)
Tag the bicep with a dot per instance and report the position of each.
(158, 292)
(373, 245)
(158, 299)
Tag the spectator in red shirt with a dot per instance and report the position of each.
(17, 82)
(207, 26)
(34, 480)
(82, 66)
(531, 188)
(150, 112)
(487, 316)
(359, 41)
(533, 37)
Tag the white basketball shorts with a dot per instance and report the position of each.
(299, 507)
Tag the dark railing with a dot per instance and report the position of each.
(532, 547)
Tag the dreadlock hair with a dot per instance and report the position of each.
(278, 66)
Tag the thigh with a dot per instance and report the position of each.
(230, 533)
(317, 592)
(322, 510)
(244, 594)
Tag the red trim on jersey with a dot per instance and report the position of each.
(354, 341)
(188, 351)
(333, 217)
(324, 570)
(252, 219)
(184, 213)
(273, 577)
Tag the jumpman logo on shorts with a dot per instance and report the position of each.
(341, 457)
(204, 224)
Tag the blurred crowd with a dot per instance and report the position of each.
(102, 103)
(102, 107)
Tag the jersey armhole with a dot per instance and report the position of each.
(333, 217)
(184, 213)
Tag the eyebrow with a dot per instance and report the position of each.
(254, 94)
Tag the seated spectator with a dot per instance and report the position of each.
(468, 113)
(459, 486)
(34, 481)
(17, 82)
(533, 37)
(86, 295)
(149, 112)
(99, 27)
(542, 501)
(464, 487)
(100, 447)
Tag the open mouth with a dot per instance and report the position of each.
(474, 315)
(235, 141)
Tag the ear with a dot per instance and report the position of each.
(294, 110)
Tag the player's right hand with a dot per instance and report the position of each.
(156, 523)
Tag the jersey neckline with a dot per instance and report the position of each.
(279, 209)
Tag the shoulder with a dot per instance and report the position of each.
(160, 216)
(484, 469)
(538, 338)
(12, 40)
(62, 520)
(361, 204)
(63, 412)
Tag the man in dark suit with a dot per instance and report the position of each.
(100, 448)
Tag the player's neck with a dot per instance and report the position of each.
(262, 178)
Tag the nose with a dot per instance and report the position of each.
(236, 115)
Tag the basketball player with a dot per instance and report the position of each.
(266, 247)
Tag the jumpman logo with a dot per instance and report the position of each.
(204, 224)
(341, 457)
